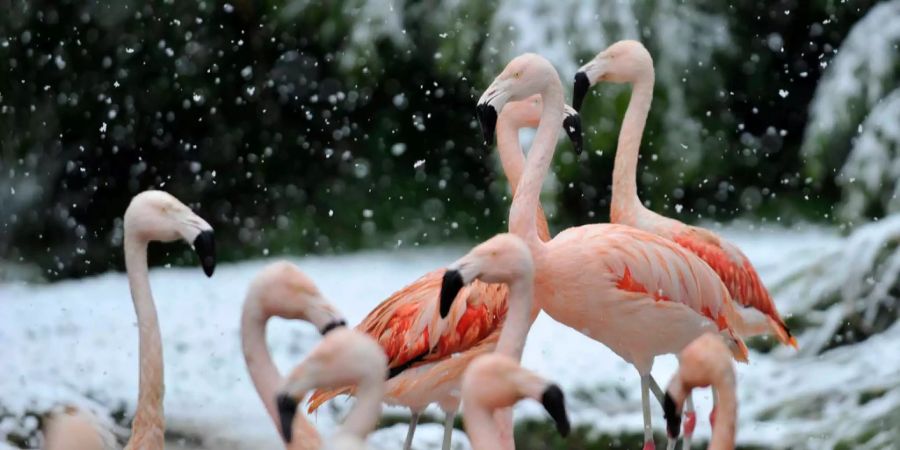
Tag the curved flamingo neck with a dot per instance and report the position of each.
(365, 414)
(518, 319)
(726, 412)
(512, 159)
(263, 372)
(624, 193)
(148, 425)
(527, 197)
(481, 428)
(305, 437)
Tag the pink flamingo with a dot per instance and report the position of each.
(496, 381)
(343, 357)
(639, 294)
(280, 289)
(71, 428)
(156, 216)
(419, 344)
(630, 62)
(703, 363)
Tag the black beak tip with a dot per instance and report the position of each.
(287, 408)
(487, 118)
(582, 84)
(555, 403)
(673, 417)
(450, 287)
(572, 125)
(205, 246)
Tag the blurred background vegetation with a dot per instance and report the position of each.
(296, 126)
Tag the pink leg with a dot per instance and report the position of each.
(712, 418)
(690, 422)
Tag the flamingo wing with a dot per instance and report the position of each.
(645, 264)
(642, 265)
(408, 326)
(736, 272)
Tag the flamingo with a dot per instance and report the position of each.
(72, 428)
(638, 293)
(495, 381)
(419, 344)
(156, 216)
(703, 363)
(630, 62)
(343, 357)
(280, 289)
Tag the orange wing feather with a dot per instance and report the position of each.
(404, 325)
(736, 272)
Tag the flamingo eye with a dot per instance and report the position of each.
(518, 75)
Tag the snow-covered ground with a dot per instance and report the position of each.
(76, 342)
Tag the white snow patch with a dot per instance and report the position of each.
(78, 338)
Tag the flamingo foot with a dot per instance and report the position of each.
(649, 445)
(690, 422)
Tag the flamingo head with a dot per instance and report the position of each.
(524, 76)
(281, 289)
(158, 216)
(622, 62)
(672, 410)
(504, 258)
(343, 357)
(496, 381)
(706, 360)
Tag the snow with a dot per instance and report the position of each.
(871, 172)
(861, 74)
(76, 342)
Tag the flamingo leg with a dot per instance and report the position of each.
(645, 404)
(712, 414)
(670, 444)
(413, 421)
(448, 429)
(690, 421)
(657, 391)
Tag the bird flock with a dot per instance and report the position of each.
(643, 285)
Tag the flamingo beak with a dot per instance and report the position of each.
(205, 246)
(580, 90)
(489, 105)
(586, 76)
(572, 125)
(450, 287)
(287, 408)
(555, 403)
(672, 415)
(338, 323)
(487, 118)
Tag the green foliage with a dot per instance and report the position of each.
(853, 131)
(244, 114)
(297, 126)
